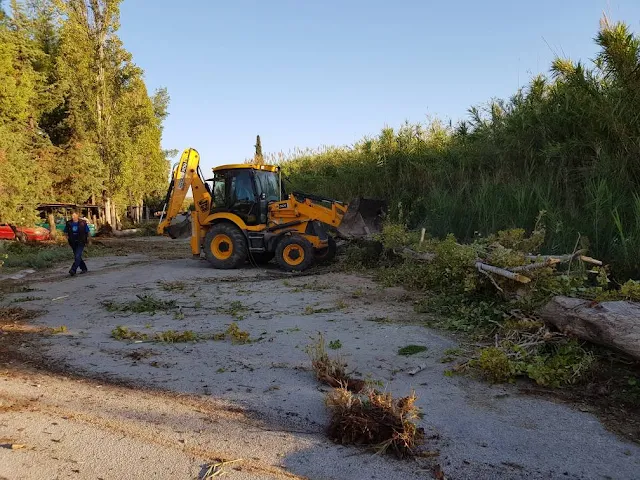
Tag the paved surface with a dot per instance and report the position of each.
(260, 401)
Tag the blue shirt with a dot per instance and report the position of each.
(75, 230)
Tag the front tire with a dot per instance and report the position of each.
(225, 246)
(294, 253)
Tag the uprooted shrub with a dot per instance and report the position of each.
(331, 370)
(375, 419)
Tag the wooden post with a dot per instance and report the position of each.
(422, 234)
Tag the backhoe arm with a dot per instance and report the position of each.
(186, 175)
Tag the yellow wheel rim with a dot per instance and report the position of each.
(293, 254)
(222, 247)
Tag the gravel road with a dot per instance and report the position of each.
(195, 403)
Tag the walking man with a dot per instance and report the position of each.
(77, 232)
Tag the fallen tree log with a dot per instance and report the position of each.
(125, 233)
(612, 324)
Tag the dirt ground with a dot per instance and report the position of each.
(86, 405)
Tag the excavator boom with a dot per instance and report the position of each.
(186, 175)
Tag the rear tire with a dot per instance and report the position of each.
(327, 254)
(21, 237)
(261, 258)
(294, 253)
(225, 246)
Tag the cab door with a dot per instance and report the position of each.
(236, 193)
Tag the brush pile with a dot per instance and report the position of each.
(505, 293)
(360, 415)
(375, 419)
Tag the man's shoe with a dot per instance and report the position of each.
(72, 273)
(84, 271)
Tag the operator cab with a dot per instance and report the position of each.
(246, 190)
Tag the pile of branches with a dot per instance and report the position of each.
(497, 262)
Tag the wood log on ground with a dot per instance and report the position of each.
(125, 233)
(612, 324)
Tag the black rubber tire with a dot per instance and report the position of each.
(304, 247)
(21, 237)
(327, 254)
(238, 244)
(261, 258)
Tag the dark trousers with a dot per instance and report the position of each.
(78, 248)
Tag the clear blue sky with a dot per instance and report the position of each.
(311, 73)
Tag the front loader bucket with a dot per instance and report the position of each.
(364, 217)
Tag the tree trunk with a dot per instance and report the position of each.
(146, 213)
(114, 216)
(612, 324)
(107, 211)
(52, 226)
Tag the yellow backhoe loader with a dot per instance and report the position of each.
(243, 214)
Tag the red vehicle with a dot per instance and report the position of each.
(23, 234)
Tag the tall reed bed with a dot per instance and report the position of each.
(567, 145)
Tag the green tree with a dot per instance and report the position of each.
(109, 106)
(76, 120)
(258, 157)
(22, 147)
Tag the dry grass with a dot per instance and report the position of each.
(167, 336)
(16, 314)
(375, 419)
(331, 371)
(12, 320)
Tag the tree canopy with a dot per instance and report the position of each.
(76, 119)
